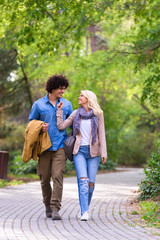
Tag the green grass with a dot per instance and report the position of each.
(70, 173)
(4, 183)
(16, 179)
(135, 213)
(31, 176)
(120, 213)
(150, 211)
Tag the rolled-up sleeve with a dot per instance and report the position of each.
(34, 113)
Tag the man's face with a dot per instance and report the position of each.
(58, 92)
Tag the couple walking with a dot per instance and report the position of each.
(88, 128)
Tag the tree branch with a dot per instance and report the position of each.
(143, 106)
(25, 78)
(138, 52)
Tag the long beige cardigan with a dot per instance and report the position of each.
(96, 149)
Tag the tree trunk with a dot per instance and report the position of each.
(92, 30)
(28, 89)
(87, 43)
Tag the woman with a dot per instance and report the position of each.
(88, 127)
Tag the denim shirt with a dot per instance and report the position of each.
(44, 110)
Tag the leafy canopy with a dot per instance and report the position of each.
(52, 24)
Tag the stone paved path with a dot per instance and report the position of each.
(22, 211)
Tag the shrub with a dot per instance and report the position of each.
(69, 166)
(150, 185)
(17, 166)
(108, 165)
(135, 147)
(14, 140)
(6, 129)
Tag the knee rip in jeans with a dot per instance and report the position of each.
(83, 178)
(91, 184)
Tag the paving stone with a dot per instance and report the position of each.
(22, 213)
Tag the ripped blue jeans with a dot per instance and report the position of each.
(86, 168)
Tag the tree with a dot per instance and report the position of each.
(15, 89)
(51, 24)
(8, 64)
(50, 37)
(140, 42)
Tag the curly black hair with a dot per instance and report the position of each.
(56, 81)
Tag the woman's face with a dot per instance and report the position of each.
(82, 100)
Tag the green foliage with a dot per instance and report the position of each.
(69, 166)
(151, 212)
(135, 213)
(146, 46)
(13, 86)
(40, 38)
(108, 165)
(17, 166)
(51, 24)
(25, 177)
(151, 90)
(5, 129)
(4, 183)
(8, 64)
(14, 140)
(135, 147)
(150, 185)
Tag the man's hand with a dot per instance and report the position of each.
(104, 159)
(45, 127)
(60, 105)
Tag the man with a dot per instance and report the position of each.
(52, 162)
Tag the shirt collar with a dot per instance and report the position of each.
(47, 99)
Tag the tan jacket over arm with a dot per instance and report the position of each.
(35, 143)
(96, 149)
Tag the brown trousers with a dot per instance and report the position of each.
(52, 164)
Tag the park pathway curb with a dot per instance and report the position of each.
(22, 214)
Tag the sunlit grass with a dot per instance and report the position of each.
(151, 212)
(4, 183)
(31, 176)
(16, 179)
